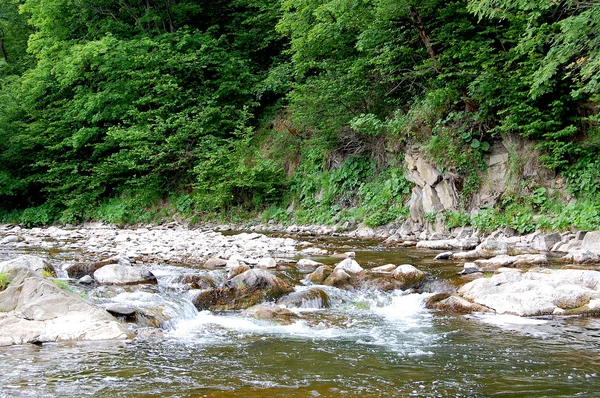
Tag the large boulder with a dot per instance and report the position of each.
(35, 310)
(307, 265)
(340, 279)
(33, 263)
(536, 292)
(244, 290)
(591, 242)
(79, 270)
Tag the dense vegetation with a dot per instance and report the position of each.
(133, 110)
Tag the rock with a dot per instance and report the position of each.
(244, 290)
(545, 242)
(35, 310)
(464, 233)
(470, 268)
(117, 274)
(237, 270)
(521, 260)
(319, 275)
(314, 251)
(306, 265)
(311, 298)
(344, 255)
(581, 257)
(454, 304)
(408, 275)
(266, 263)
(79, 270)
(272, 313)
(591, 242)
(32, 263)
(382, 284)
(349, 266)
(444, 256)
(198, 281)
(449, 244)
(10, 239)
(338, 278)
(86, 280)
(215, 262)
(384, 269)
(536, 292)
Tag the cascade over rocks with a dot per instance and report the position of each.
(35, 310)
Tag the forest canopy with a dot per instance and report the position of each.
(110, 109)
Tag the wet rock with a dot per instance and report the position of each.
(306, 265)
(591, 242)
(384, 269)
(382, 283)
(117, 274)
(454, 304)
(35, 310)
(349, 266)
(215, 262)
(444, 256)
(240, 269)
(272, 313)
(86, 280)
(470, 268)
(339, 278)
(244, 290)
(536, 292)
(198, 281)
(319, 275)
(408, 275)
(266, 263)
(311, 298)
(79, 270)
(519, 261)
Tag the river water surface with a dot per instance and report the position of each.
(367, 344)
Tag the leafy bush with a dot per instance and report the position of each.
(3, 280)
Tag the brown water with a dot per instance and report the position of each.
(368, 344)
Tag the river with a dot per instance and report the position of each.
(367, 344)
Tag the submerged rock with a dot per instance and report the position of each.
(272, 313)
(311, 298)
(35, 310)
(454, 304)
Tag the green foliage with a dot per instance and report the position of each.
(455, 219)
(4, 280)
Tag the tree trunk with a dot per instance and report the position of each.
(419, 25)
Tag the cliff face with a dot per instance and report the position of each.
(511, 167)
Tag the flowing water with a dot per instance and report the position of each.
(367, 344)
